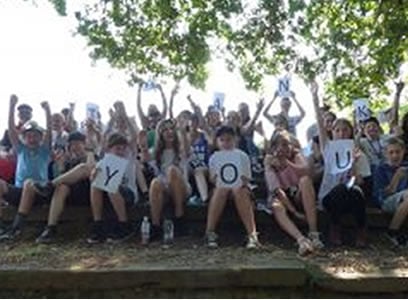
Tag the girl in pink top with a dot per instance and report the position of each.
(289, 186)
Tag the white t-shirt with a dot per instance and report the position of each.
(329, 180)
(219, 159)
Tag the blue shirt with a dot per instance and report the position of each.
(382, 178)
(32, 164)
(200, 149)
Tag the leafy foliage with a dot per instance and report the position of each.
(355, 46)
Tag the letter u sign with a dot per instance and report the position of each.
(342, 164)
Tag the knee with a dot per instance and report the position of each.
(173, 173)
(306, 181)
(277, 207)
(28, 184)
(85, 169)
(155, 186)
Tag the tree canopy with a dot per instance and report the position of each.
(355, 46)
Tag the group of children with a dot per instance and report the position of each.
(174, 159)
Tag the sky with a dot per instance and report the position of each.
(41, 60)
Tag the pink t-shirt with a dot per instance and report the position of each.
(283, 179)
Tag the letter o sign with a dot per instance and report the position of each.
(229, 173)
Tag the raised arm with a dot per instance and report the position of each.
(48, 129)
(266, 114)
(250, 125)
(70, 118)
(301, 109)
(314, 88)
(164, 100)
(172, 95)
(396, 105)
(143, 119)
(12, 130)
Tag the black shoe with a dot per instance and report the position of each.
(47, 236)
(97, 234)
(123, 231)
(10, 235)
(45, 191)
(397, 239)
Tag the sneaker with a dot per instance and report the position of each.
(45, 191)
(97, 234)
(305, 246)
(316, 242)
(212, 240)
(47, 236)
(10, 235)
(397, 239)
(253, 242)
(122, 232)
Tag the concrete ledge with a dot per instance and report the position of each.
(279, 274)
(391, 281)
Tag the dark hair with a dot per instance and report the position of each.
(76, 136)
(371, 120)
(225, 130)
(279, 135)
(117, 139)
(393, 140)
(24, 107)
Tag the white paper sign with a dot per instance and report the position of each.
(361, 109)
(111, 171)
(284, 86)
(339, 156)
(218, 100)
(230, 166)
(149, 85)
(92, 111)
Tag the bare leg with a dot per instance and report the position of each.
(141, 180)
(119, 206)
(58, 203)
(216, 207)
(178, 190)
(400, 214)
(156, 200)
(283, 220)
(308, 197)
(96, 204)
(78, 173)
(245, 209)
(201, 181)
(27, 197)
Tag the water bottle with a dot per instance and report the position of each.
(168, 231)
(145, 230)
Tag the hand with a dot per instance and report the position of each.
(401, 172)
(400, 86)
(45, 105)
(13, 100)
(72, 106)
(292, 94)
(158, 86)
(141, 84)
(356, 153)
(94, 173)
(244, 180)
(260, 105)
(276, 95)
(175, 90)
(314, 87)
